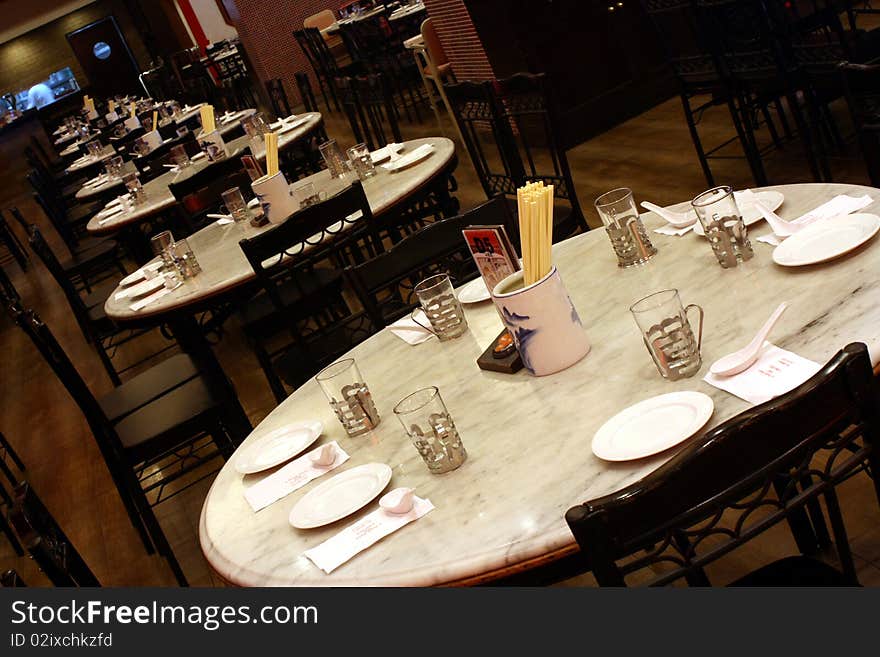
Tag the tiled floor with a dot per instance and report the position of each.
(651, 153)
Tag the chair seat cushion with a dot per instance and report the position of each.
(99, 294)
(794, 571)
(260, 310)
(172, 418)
(148, 386)
(86, 246)
(80, 262)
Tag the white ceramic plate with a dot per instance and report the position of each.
(293, 125)
(417, 155)
(340, 496)
(143, 288)
(652, 426)
(474, 292)
(278, 446)
(139, 275)
(751, 215)
(826, 239)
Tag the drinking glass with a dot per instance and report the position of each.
(95, 148)
(254, 126)
(133, 185)
(428, 424)
(235, 204)
(359, 155)
(113, 166)
(722, 222)
(306, 195)
(668, 335)
(179, 156)
(333, 158)
(442, 308)
(161, 244)
(349, 396)
(184, 259)
(625, 229)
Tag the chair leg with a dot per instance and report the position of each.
(695, 138)
(107, 363)
(265, 362)
(783, 121)
(805, 135)
(747, 140)
(4, 444)
(10, 535)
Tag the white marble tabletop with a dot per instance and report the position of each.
(223, 264)
(157, 196)
(108, 182)
(89, 160)
(528, 438)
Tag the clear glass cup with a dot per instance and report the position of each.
(306, 195)
(161, 244)
(428, 424)
(184, 259)
(133, 185)
(625, 229)
(668, 335)
(254, 126)
(179, 156)
(333, 158)
(95, 148)
(235, 204)
(359, 156)
(349, 396)
(723, 224)
(439, 303)
(113, 166)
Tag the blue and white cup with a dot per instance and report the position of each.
(213, 145)
(276, 197)
(545, 326)
(132, 123)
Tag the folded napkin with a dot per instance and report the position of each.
(775, 372)
(357, 537)
(280, 123)
(409, 331)
(409, 158)
(388, 151)
(841, 204)
(292, 476)
(147, 300)
(669, 229)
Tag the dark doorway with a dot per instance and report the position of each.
(106, 58)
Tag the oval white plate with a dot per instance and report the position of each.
(474, 292)
(652, 426)
(415, 156)
(340, 496)
(278, 446)
(826, 239)
(751, 215)
(139, 275)
(143, 288)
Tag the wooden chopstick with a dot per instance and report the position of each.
(535, 207)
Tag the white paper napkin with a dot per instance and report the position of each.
(292, 476)
(147, 300)
(388, 151)
(409, 158)
(841, 204)
(669, 229)
(409, 330)
(335, 551)
(775, 372)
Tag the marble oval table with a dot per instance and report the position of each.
(528, 438)
(159, 198)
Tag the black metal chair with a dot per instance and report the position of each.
(299, 266)
(47, 543)
(769, 464)
(6, 501)
(862, 85)
(14, 247)
(323, 62)
(160, 447)
(369, 107)
(278, 98)
(305, 91)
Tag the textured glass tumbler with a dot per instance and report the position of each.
(722, 222)
(362, 161)
(625, 229)
(668, 335)
(235, 204)
(184, 259)
(349, 396)
(333, 158)
(161, 244)
(438, 300)
(428, 424)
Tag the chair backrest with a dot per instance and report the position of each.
(305, 44)
(320, 20)
(384, 285)
(44, 251)
(369, 106)
(201, 192)
(47, 543)
(8, 293)
(684, 43)
(149, 166)
(305, 91)
(748, 474)
(280, 104)
(862, 87)
(432, 43)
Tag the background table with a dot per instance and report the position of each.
(528, 438)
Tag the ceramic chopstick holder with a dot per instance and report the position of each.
(212, 145)
(276, 197)
(543, 321)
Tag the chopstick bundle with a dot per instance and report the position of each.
(111, 105)
(155, 123)
(207, 113)
(271, 153)
(535, 207)
(132, 110)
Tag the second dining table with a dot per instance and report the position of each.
(529, 438)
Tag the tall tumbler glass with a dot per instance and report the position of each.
(625, 229)
(438, 300)
(428, 424)
(349, 396)
(359, 156)
(235, 204)
(668, 335)
(333, 158)
(723, 224)
(161, 244)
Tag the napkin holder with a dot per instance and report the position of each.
(276, 197)
(212, 145)
(543, 321)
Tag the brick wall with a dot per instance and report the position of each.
(460, 39)
(33, 56)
